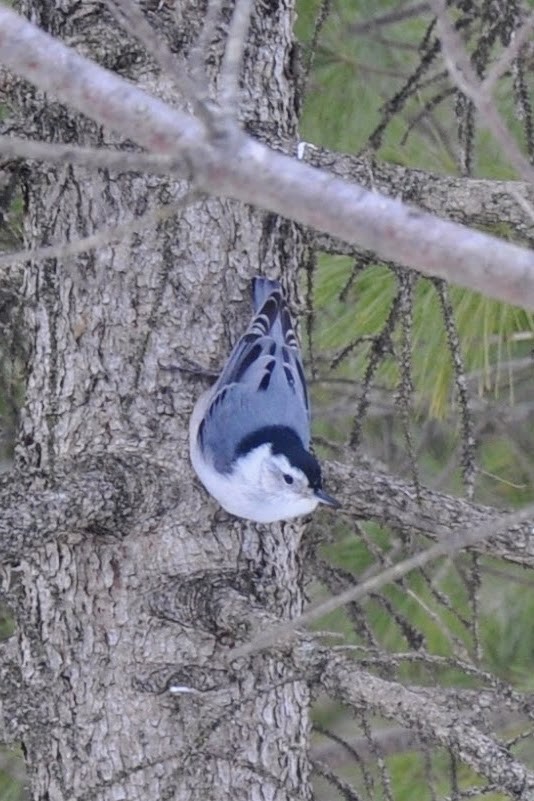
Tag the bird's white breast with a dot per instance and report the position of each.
(241, 494)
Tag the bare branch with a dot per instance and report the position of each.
(104, 236)
(389, 18)
(390, 501)
(343, 679)
(345, 789)
(128, 13)
(321, 16)
(470, 201)
(467, 81)
(202, 47)
(520, 38)
(454, 541)
(237, 166)
(393, 740)
(89, 88)
(122, 160)
(233, 57)
(452, 717)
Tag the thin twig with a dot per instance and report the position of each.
(454, 543)
(105, 236)
(200, 50)
(320, 19)
(344, 788)
(233, 57)
(389, 18)
(455, 352)
(466, 79)
(128, 13)
(14, 147)
(520, 38)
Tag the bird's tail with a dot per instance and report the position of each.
(275, 315)
(262, 288)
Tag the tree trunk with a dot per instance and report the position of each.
(115, 624)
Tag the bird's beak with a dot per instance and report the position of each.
(323, 497)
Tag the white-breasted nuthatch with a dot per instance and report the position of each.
(249, 434)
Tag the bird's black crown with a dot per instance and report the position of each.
(285, 441)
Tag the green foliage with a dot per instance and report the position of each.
(10, 790)
(462, 611)
(357, 74)
(492, 334)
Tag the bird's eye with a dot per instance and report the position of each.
(288, 479)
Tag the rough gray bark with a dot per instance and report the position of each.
(102, 494)
(105, 326)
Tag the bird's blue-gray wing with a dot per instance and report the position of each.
(262, 384)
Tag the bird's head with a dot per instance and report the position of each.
(279, 477)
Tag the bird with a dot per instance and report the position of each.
(249, 434)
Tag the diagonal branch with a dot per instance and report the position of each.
(233, 56)
(487, 710)
(342, 679)
(453, 542)
(471, 201)
(390, 17)
(466, 79)
(391, 501)
(128, 13)
(236, 166)
(505, 61)
(123, 160)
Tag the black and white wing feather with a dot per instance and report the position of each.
(262, 383)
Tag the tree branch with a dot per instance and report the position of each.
(232, 62)
(342, 679)
(105, 493)
(487, 710)
(236, 166)
(129, 14)
(470, 201)
(464, 76)
(388, 18)
(390, 501)
(453, 542)
(91, 157)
